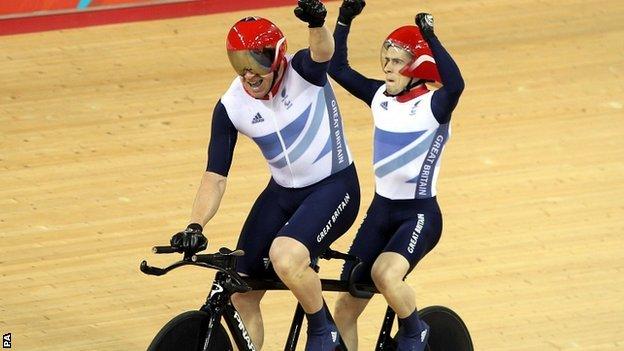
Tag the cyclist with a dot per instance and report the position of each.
(286, 105)
(412, 124)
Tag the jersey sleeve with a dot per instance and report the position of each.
(312, 71)
(223, 137)
(445, 99)
(355, 83)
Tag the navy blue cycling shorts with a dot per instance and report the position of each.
(408, 227)
(315, 216)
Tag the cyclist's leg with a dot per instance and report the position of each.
(367, 245)
(346, 312)
(291, 261)
(415, 237)
(264, 220)
(327, 212)
(248, 306)
(388, 272)
(323, 216)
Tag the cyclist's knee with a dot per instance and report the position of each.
(288, 257)
(388, 271)
(386, 279)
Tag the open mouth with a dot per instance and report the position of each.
(256, 84)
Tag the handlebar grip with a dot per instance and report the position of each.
(151, 270)
(164, 249)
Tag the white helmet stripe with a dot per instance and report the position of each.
(420, 60)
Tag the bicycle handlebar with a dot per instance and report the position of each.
(224, 261)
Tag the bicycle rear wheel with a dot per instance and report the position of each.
(186, 332)
(448, 332)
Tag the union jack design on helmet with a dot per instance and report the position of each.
(255, 44)
(410, 39)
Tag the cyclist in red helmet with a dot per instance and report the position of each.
(286, 105)
(412, 125)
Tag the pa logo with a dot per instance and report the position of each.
(6, 341)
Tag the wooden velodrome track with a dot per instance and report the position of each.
(103, 141)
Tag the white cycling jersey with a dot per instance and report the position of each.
(299, 130)
(408, 144)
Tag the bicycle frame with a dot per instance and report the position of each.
(218, 306)
(227, 282)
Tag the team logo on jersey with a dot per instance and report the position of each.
(413, 110)
(384, 105)
(257, 119)
(285, 100)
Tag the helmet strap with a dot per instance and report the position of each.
(412, 83)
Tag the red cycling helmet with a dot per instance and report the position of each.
(410, 39)
(255, 44)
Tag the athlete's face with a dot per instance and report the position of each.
(256, 85)
(393, 60)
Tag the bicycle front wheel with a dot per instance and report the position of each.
(187, 332)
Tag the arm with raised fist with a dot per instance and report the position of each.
(339, 69)
(313, 12)
(444, 99)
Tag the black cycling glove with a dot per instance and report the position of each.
(349, 10)
(312, 12)
(424, 21)
(190, 240)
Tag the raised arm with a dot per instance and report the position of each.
(444, 99)
(321, 42)
(355, 83)
(311, 63)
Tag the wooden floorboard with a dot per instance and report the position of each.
(103, 135)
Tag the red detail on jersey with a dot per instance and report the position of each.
(413, 93)
(423, 64)
(277, 84)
